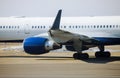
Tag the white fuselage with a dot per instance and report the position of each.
(12, 28)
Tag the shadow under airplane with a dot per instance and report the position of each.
(102, 60)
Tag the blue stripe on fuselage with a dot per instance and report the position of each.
(108, 41)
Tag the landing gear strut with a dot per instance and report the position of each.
(80, 56)
(102, 53)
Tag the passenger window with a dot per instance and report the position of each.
(104, 26)
(69, 26)
(110, 26)
(107, 26)
(116, 26)
(88, 26)
(97, 26)
(64, 26)
(76, 26)
(3, 26)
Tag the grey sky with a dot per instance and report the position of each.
(48, 8)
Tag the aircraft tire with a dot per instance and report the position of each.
(80, 56)
(105, 54)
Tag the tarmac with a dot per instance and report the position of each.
(15, 63)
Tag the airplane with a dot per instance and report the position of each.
(77, 34)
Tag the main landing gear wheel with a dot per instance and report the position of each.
(80, 56)
(105, 54)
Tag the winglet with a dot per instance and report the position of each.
(56, 23)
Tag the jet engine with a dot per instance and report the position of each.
(39, 45)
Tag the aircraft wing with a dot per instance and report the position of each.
(61, 36)
(68, 38)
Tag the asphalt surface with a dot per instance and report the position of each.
(17, 64)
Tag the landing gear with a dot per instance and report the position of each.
(78, 46)
(102, 53)
(80, 56)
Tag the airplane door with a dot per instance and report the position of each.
(27, 29)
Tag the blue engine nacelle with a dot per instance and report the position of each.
(38, 45)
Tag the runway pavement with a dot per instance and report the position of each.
(17, 64)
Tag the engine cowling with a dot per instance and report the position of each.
(38, 45)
